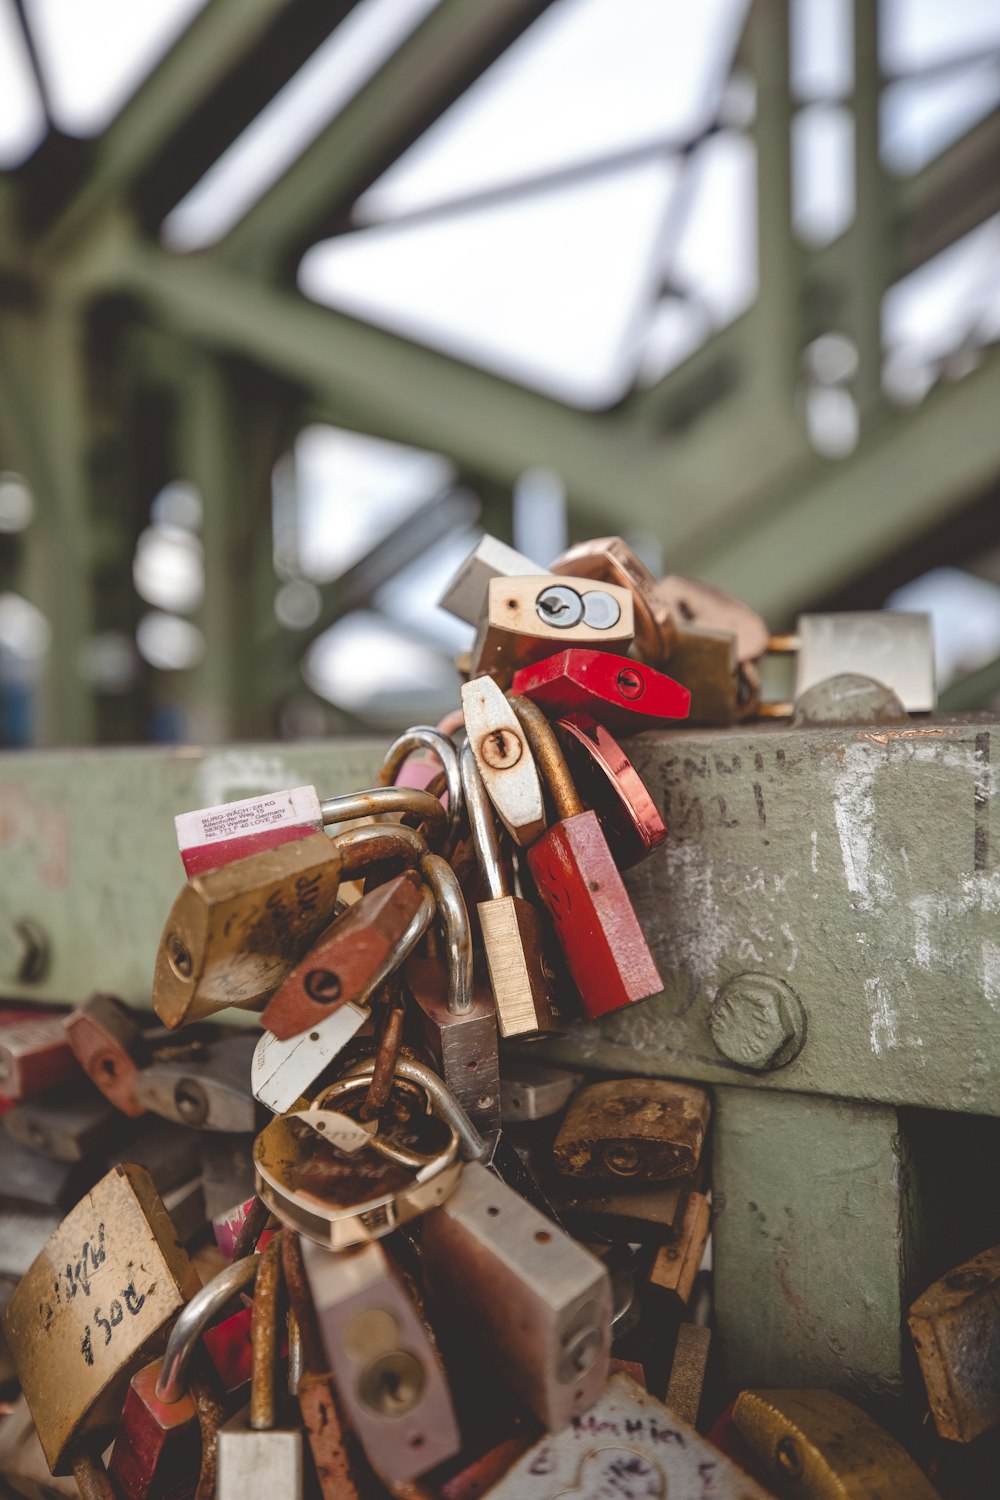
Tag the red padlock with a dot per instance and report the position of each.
(108, 1044)
(34, 1056)
(578, 880)
(625, 695)
(610, 784)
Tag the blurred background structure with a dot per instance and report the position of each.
(297, 296)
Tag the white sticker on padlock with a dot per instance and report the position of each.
(212, 836)
(337, 1129)
(282, 1071)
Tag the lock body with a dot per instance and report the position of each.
(466, 596)
(108, 1284)
(538, 1301)
(281, 1071)
(598, 931)
(520, 973)
(955, 1326)
(624, 695)
(463, 1047)
(609, 783)
(68, 1124)
(533, 1091)
(504, 761)
(701, 607)
(107, 1042)
(676, 1265)
(724, 690)
(205, 1085)
(611, 560)
(157, 1448)
(235, 932)
(391, 1384)
(214, 836)
(34, 1056)
(528, 618)
(259, 1465)
(633, 1130)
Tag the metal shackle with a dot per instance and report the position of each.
(418, 925)
(483, 826)
(372, 842)
(193, 1321)
(456, 929)
(471, 1144)
(387, 799)
(549, 757)
(423, 737)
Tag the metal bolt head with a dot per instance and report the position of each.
(559, 605)
(757, 1021)
(501, 749)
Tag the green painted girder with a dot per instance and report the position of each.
(435, 65)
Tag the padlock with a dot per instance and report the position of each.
(392, 1386)
(539, 1303)
(651, 1213)
(610, 784)
(23, 1233)
(420, 806)
(203, 1084)
(609, 559)
(158, 1444)
(534, 1091)
(627, 1445)
(260, 1458)
(28, 1179)
(423, 737)
(108, 1043)
(171, 1154)
(891, 646)
(676, 1265)
(520, 971)
(623, 694)
(360, 1182)
(814, 1444)
(699, 606)
(214, 836)
(528, 618)
(955, 1325)
(352, 958)
(234, 933)
(687, 1371)
(723, 689)
(466, 595)
(455, 1017)
(93, 1307)
(633, 1129)
(577, 879)
(68, 1124)
(503, 759)
(34, 1056)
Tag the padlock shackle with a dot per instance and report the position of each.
(418, 925)
(472, 1145)
(372, 842)
(549, 758)
(424, 737)
(456, 928)
(192, 1322)
(483, 826)
(264, 1338)
(388, 799)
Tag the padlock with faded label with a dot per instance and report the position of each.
(202, 1084)
(609, 559)
(610, 784)
(634, 1129)
(578, 880)
(528, 618)
(521, 972)
(214, 836)
(539, 1303)
(504, 761)
(235, 932)
(108, 1043)
(34, 1056)
(93, 1307)
(625, 695)
(393, 1388)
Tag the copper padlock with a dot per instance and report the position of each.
(610, 784)
(34, 1055)
(578, 880)
(528, 618)
(93, 1307)
(108, 1043)
(626, 696)
(611, 560)
(521, 975)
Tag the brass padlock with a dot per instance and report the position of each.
(93, 1307)
(234, 933)
(677, 1264)
(723, 689)
(635, 1129)
(528, 618)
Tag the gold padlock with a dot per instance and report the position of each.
(95, 1305)
(236, 931)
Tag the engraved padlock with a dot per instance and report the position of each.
(260, 1457)
(390, 1380)
(538, 1303)
(610, 784)
(93, 1307)
(158, 1444)
(528, 618)
(503, 759)
(577, 879)
(624, 695)
(609, 559)
(521, 975)
(340, 1181)
(454, 1011)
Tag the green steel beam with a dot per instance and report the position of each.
(441, 59)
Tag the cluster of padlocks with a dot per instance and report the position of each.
(439, 1265)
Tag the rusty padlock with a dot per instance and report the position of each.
(624, 695)
(578, 880)
(640, 1129)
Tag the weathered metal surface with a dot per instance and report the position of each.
(857, 866)
(817, 1244)
(955, 1326)
(632, 1129)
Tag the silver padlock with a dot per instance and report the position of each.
(466, 595)
(540, 1304)
(531, 1091)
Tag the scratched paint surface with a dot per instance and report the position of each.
(858, 865)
